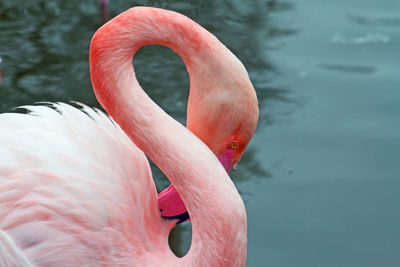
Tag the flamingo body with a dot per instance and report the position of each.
(75, 185)
(64, 198)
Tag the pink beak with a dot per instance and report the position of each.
(170, 203)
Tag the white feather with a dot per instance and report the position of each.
(67, 175)
(12, 256)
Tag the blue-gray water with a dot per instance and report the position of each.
(321, 178)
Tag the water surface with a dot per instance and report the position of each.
(321, 177)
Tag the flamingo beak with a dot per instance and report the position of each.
(227, 161)
(170, 203)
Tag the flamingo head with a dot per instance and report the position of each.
(223, 109)
(223, 113)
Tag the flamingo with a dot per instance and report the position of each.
(75, 186)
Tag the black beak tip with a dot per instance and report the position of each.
(181, 217)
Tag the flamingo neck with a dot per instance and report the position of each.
(217, 211)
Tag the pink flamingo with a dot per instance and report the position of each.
(75, 186)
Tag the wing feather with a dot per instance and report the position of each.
(73, 185)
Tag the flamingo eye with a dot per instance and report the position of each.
(233, 145)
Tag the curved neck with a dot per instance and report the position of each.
(217, 211)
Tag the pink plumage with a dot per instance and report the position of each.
(75, 186)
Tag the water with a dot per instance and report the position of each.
(321, 178)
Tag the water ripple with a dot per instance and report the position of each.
(369, 38)
(349, 68)
(365, 20)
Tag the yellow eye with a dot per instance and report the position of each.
(233, 145)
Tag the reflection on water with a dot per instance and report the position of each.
(44, 45)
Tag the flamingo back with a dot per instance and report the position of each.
(75, 189)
